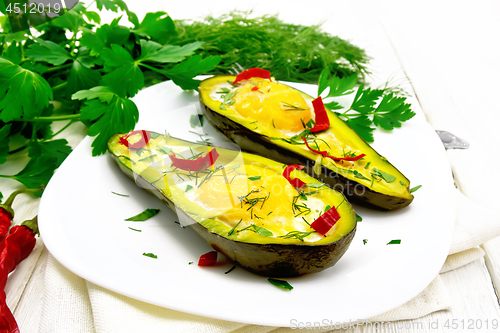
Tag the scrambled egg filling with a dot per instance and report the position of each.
(244, 197)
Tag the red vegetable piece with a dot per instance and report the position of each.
(254, 88)
(208, 259)
(139, 144)
(253, 72)
(199, 164)
(5, 221)
(326, 221)
(321, 121)
(325, 154)
(296, 182)
(14, 248)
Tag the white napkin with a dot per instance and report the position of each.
(73, 305)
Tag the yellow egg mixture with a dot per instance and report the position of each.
(239, 192)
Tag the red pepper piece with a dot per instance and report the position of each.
(325, 154)
(208, 259)
(296, 182)
(14, 248)
(321, 122)
(139, 144)
(199, 164)
(254, 88)
(253, 72)
(326, 221)
(5, 221)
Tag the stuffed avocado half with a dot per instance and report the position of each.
(279, 122)
(243, 205)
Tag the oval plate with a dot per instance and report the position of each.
(82, 224)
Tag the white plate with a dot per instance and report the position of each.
(82, 225)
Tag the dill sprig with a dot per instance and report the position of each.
(291, 52)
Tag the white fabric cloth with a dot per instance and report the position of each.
(73, 305)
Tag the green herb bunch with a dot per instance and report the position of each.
(291, 52)
(75, 69)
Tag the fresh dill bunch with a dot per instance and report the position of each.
(291, 52)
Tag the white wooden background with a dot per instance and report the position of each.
(450, 52)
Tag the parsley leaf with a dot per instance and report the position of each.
(110, 113)
(159, 26)
(4, 142)
(22, 92)
(81, 77)
(36, 173)
(183, 73)
(125, 76)
(151, 255)
(45, 50)
(55, 149)
(338, 86)
(365, 99)
(362, 126)
(151, 51)
(145, 215)
(394, 241)
(391, 112)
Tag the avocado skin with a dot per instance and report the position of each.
(270, 260)
(262, 145)
(278, 260)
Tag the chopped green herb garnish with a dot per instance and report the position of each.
(367, 165)
(384, 175)
(188, 188)
(151, 255)
(254, 178)
(291, 107)
(222, 106)
(404, 184)
(280, 283)
(135, 229)
(147, 157)
(358, 218)
(315, 185)
(413, 189)
(190, 263)
(262, 231)
(122, 195)
(165, 150)
(196, 120)
(140, 150)
(327, 208)
(340, 204)
(147, 214)
(223, 91)
(394, 241)
(234, 228)
(230, 270)
(300, 235)
(365, 241)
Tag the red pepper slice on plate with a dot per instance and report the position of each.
(254, 88)
(208, 259)
(199, 164)
(321, 122)
(139, 144)
(253, 72)
(326, 221)
(296, 182)
(325, 154)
